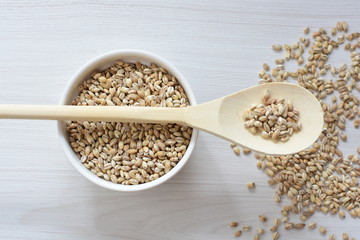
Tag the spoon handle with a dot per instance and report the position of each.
(94, 113)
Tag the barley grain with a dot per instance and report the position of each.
(342, 214)
(279, 61)
(236, 150)
(237, 233)
(246, 151)
(299, 225)
(344, 26)
(275, 236)
(251, 185)
(246, 228)
(345, 236)
(322, 230)
(312, 225)
(233, 224)
(274, 228)
(262, 218)
(306, 30)
(266, 67)
(289, 226)
(277, 47)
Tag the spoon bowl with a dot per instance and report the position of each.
(226, 119)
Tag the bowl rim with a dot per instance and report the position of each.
(74, 82)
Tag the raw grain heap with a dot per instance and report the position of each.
(320, 178)
(130, 153)
(274, 119)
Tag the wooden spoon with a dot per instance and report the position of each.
(221, 117)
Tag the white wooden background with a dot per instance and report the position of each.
(218, 45)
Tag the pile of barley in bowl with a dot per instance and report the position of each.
(320, 178)
(130, 153)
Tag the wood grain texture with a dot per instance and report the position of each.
(218, 45)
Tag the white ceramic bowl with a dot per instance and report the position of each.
(100, 63)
